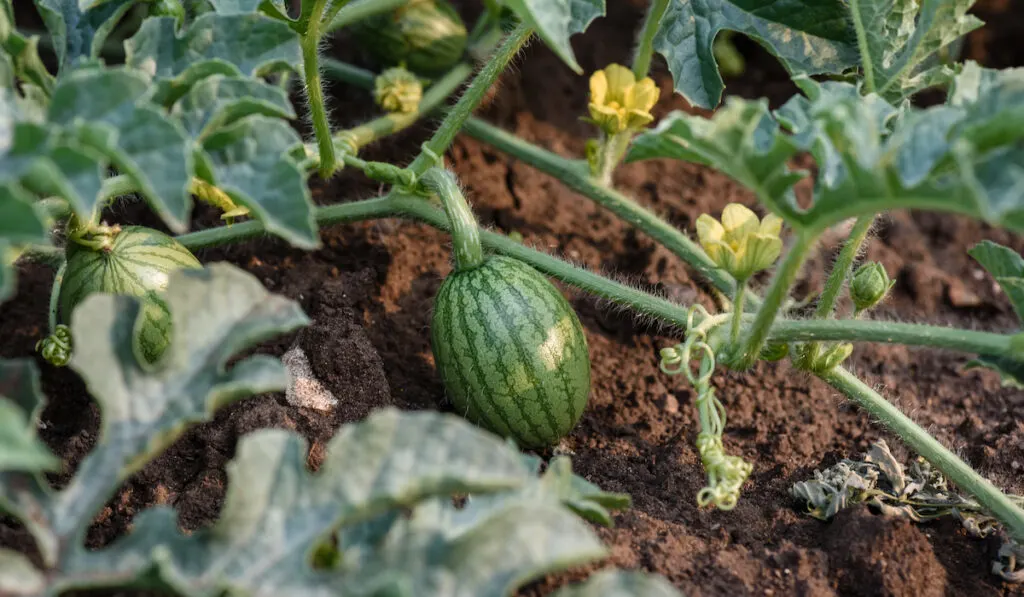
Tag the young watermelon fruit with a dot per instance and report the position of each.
(511, 351)
(427, 36)
(135, 263)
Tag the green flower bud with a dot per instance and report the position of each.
(869, 286)
(398, 90)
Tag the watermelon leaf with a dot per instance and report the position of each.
(78, 33)
(21, 223)
(1011, 371)
(217, 313)
(106, 111)
(276, 512)
(807, 36)
(897, 37)
(555, 21)
(20, 405)
(1007, 267)
(250, 161)
(218, 101)
(253, 43)
(964, 156)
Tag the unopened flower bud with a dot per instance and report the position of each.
(398, 90)
(870, 284)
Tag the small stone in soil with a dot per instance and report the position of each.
(304, 389)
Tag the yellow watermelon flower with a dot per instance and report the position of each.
(740, 244)
(618, 102)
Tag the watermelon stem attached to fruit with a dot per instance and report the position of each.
(465, 231)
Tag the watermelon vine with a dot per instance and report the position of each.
(193, 103)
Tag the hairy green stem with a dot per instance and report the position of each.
(737, 312)
(314, 90)
(575, 175)
(360, 136)
(415, 208)
(886, 332)
(463, 109)
(360, 10)
(465, 231)
(841, 268)
(645, 45)
(348, 73)
(863, 44)
(919, 440)
(786, 274)
(609, 153)
(835, 283)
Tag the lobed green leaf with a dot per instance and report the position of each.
(555, 21)
(217, 313)
(21, 223)
(107, 112)
(20, 405)
(253, 43)
(249, 161)
(78, 29)
(807, 36)
(964, 156)
(1007, 267)
(218, 101)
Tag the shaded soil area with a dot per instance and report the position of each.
(369, 293)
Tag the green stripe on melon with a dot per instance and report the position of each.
(511, 351)
(137, 263)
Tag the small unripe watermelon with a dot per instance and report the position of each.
(511, 351)
(136, 263)
(427, 36)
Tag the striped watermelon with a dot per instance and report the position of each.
(427, 36)
(136, 263)
(511, 351)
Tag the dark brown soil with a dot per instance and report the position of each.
(369, 292)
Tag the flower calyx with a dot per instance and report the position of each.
(869, 286)
(398, 91)
(619, 102)
(741, 244)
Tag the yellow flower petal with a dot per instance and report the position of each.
(637, 119)
(760, 252)
(620, 79)
(722, 254)
(739, 221)
(608, 119)
(708, 229)
(598, 87)
(645, 95)
(771, 225)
